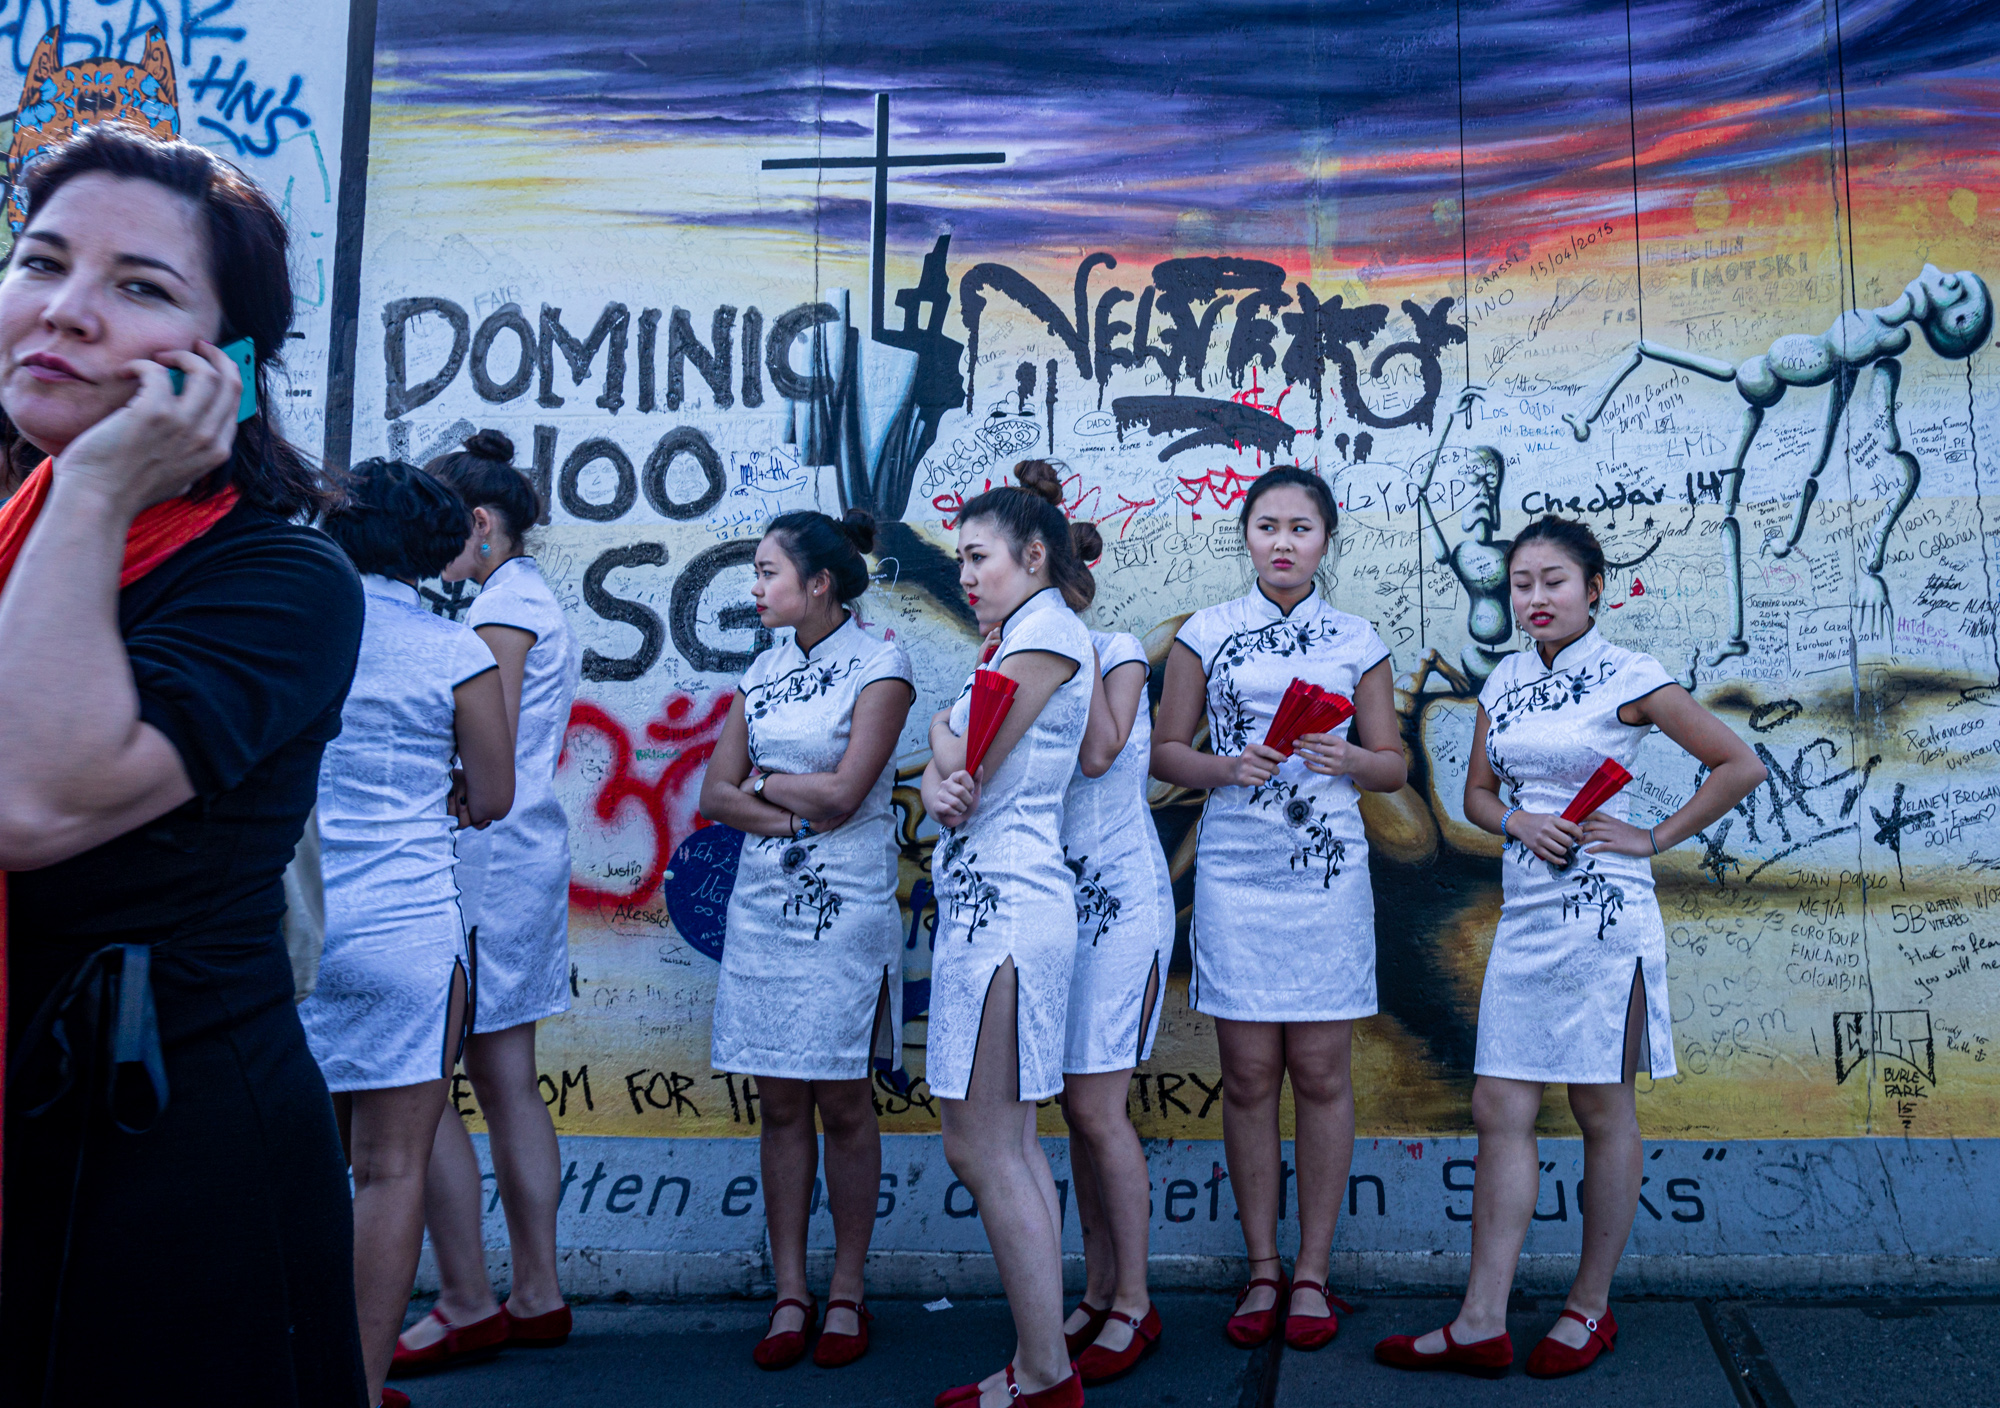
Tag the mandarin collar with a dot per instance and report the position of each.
(837, 633)
(1040, 601)
(525, 558)
(377, 585)
(1572, 655)
(1265, 609)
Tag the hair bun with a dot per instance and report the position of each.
(490, 445)
(1087, 542)
(859, 526)
(1039, 477)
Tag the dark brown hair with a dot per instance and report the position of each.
(1572, 539)
(1034, 512)
(484, 473)
(816, 543)
(247, 262)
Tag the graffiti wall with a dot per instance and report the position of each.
(1712, 278)
(260, 82)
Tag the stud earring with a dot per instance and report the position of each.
(486, 549)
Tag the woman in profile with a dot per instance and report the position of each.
(812, 959)
(176, 652)
(513, 879)
(1006, 934)
(388, 1018)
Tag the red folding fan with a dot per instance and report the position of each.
(1305, 708)
(992, 696)
(1604, 784)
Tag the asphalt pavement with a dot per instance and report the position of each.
(1878, 1353)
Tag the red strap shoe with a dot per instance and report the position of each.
(1099, 1365)
(964, 1393)
(544, 1331)
(461, 1344)
(1074, 1343)
(1311, 1331)
(1552, 1359)
(1067, 1394)
(1488, 1359)
(1249, 1331)
(394, 1398)
(782, 1350)
(837, 1351)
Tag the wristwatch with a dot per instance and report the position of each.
(757, 787)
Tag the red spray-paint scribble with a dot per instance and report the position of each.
(692, 739)
(1129, 509)
(1225, 486)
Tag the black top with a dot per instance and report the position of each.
(242, 646)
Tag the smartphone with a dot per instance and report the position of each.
(243, 352)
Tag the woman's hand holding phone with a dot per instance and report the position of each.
(159, 443)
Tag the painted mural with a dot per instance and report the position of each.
(1712, 277)
(260, 82)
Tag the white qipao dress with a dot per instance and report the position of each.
(513, 877)
(394, 931)
(1124, 898)
(813, 932)
(1570, 941)
(1284, 918)
(1003, 890)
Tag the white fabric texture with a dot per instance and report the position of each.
(1124, 899)
(813, 932)
(1559, 978)
(514, 875)
(376, 1019)
(1284, 917)
(1003, 890)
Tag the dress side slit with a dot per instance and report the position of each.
(457, 1017)
(1152, 996)
(979, 1037)
(1636, 1003)
(881, 1040)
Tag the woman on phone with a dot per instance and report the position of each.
(388, 1017)
(1576, 985)
(1006, 934)
(1124, 940)
(812, 959)
(1284, 919)
(513, 881)
(176, 647)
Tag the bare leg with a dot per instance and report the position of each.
(1503, 1200)
(1100, 1258)
(1692, 361)
(390, 1134)
(1612, 1164)
(1102, 1131)
(1317, 1055)
(853, 1184)
(788, 1155)
(984, 1143)
(1037, 1159)
(1253, 1072)
(453, 1193)
(526, 1161)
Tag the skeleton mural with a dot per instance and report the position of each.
(1955, 314)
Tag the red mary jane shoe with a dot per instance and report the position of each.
(838, 1351)
(1097, 1365)
(1249, 1331)
(781, 1351)
(394, 1398)
(544, 1331)
(1312, 1331)
(462, 1344)
(1551, 1359)
(1076, 1341)
(1067, 1394)
(1489, 1359)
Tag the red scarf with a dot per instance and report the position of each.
(156, 535)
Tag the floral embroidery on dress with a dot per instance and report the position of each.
(1594, 891)
(972, 894)
(801, 685)
(810, 893)
(1312, 829)
(1093, 900)
(1550, 693)
(1231, 713)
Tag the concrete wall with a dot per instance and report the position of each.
(1205, 248)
